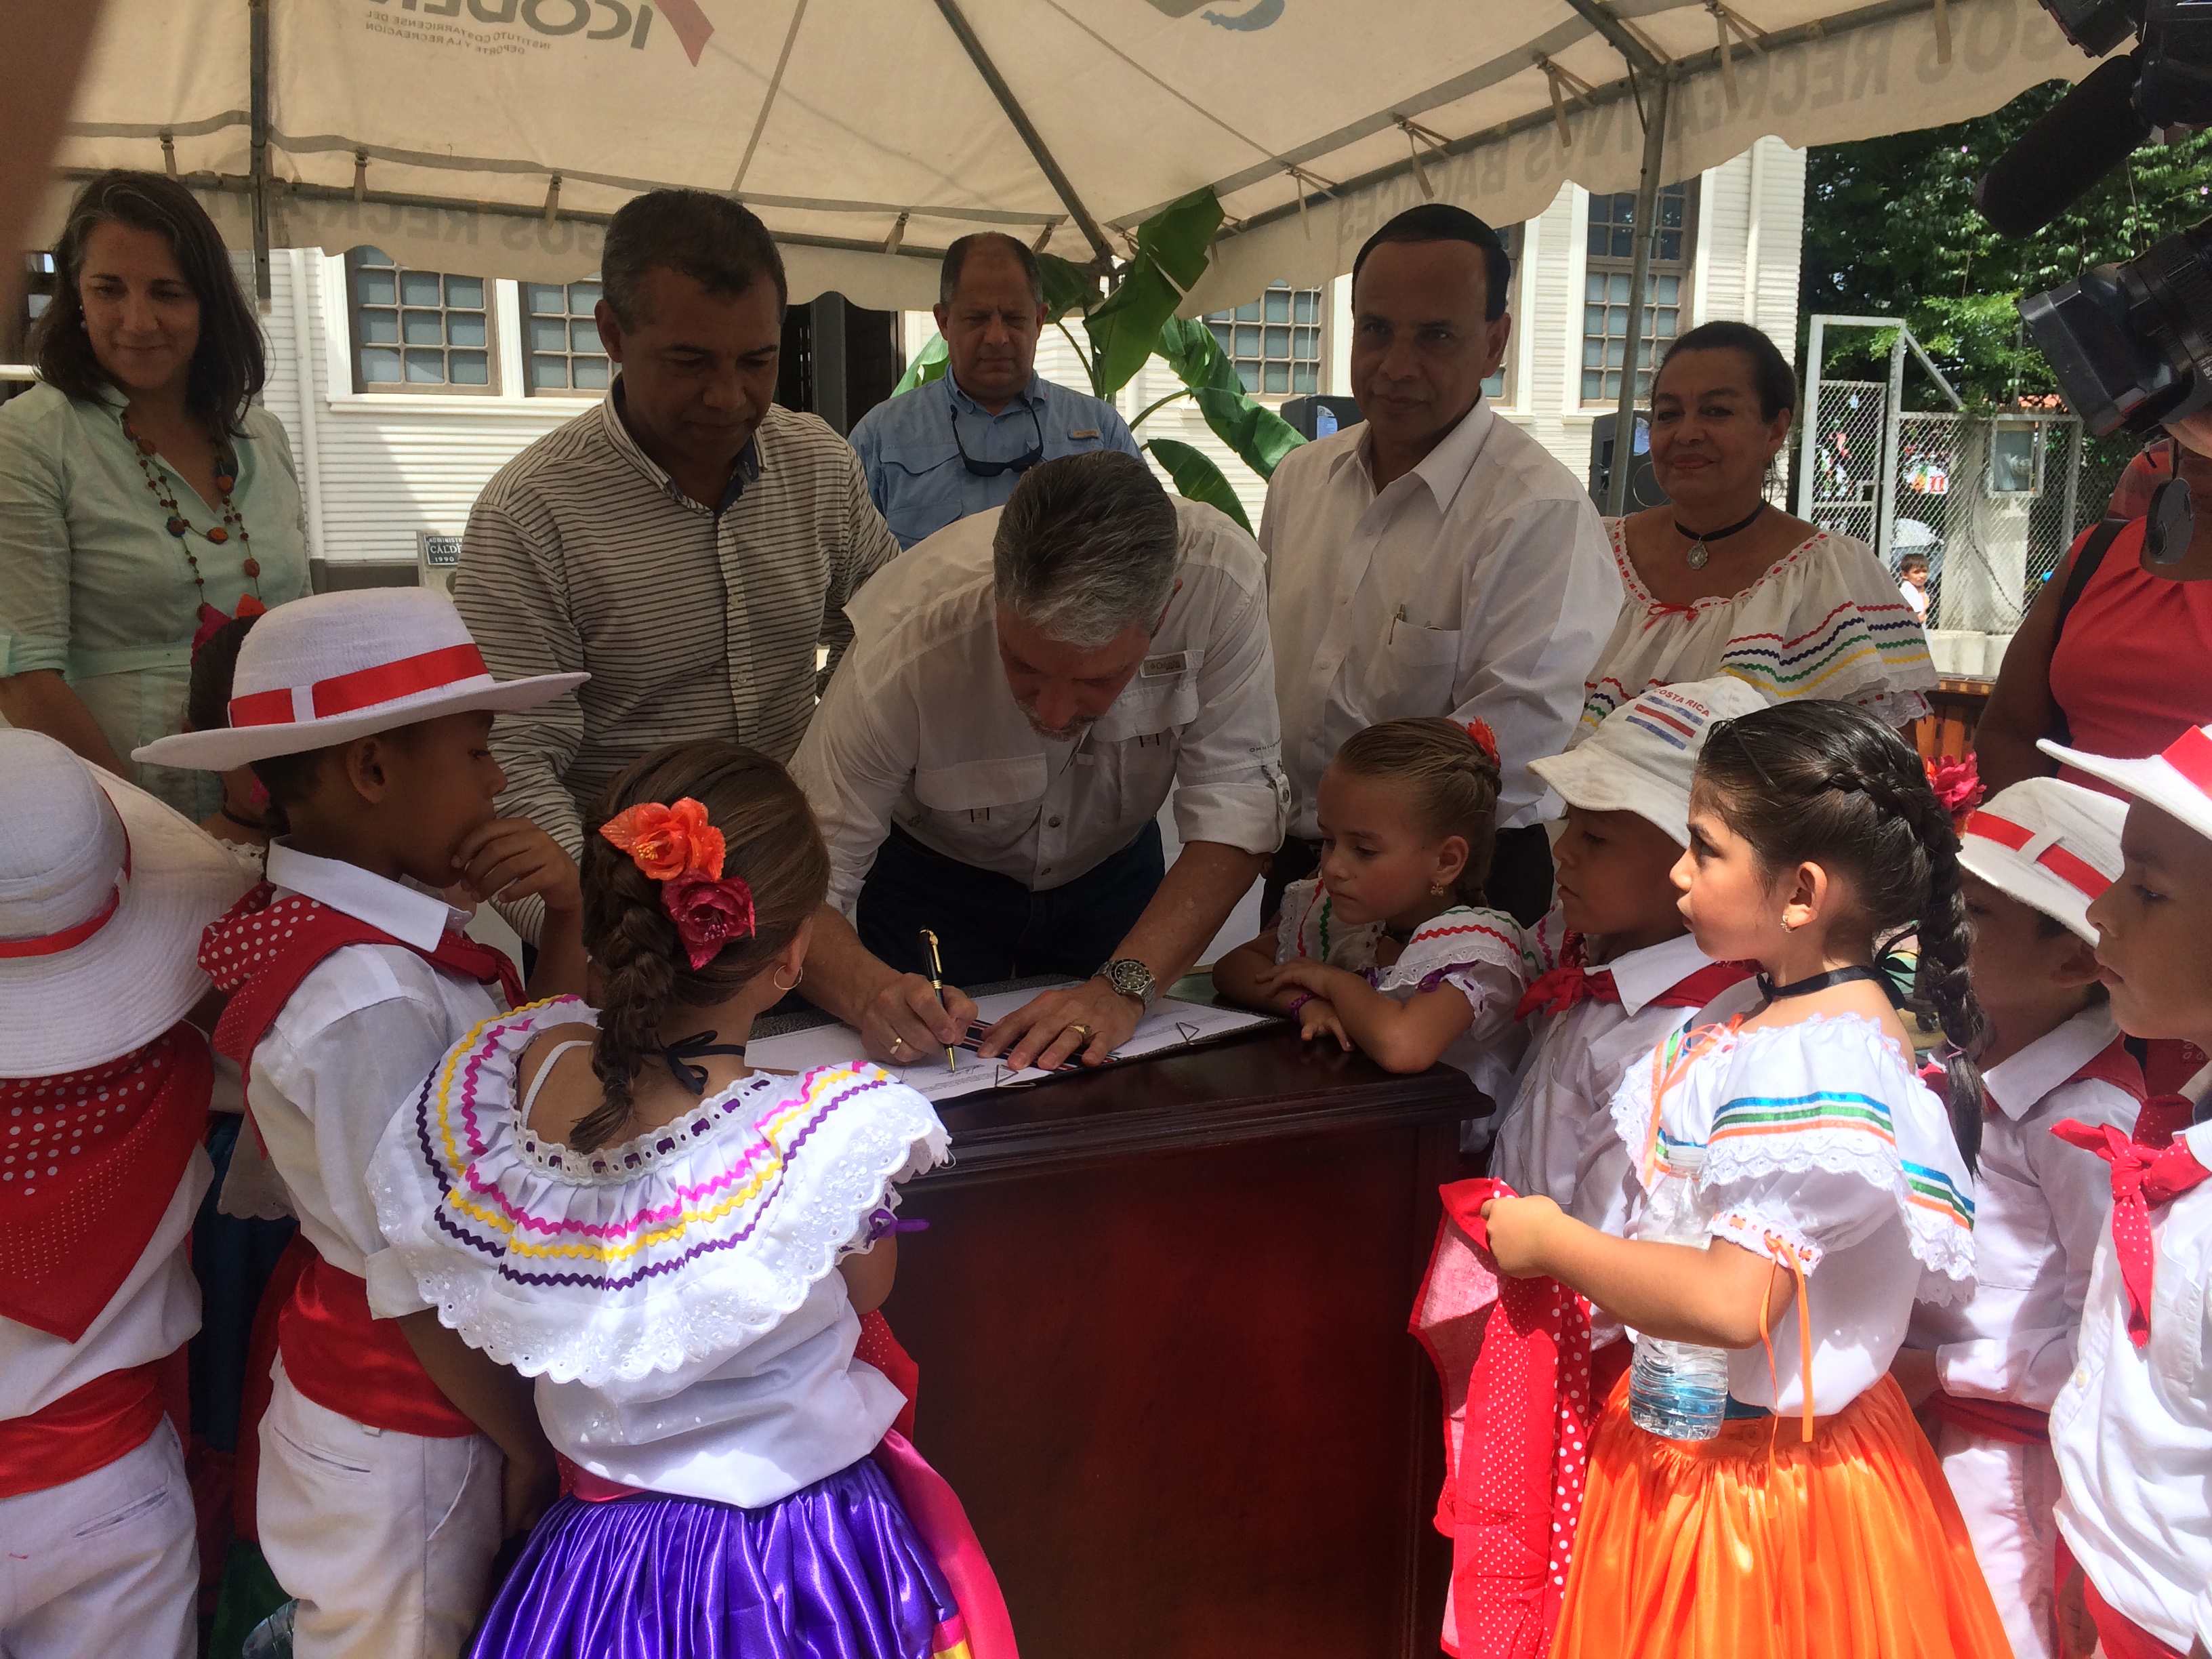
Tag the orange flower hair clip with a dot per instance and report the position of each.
(1957, 786)
(677, 846)
(1485, 739)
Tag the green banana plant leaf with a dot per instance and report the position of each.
(1171, 254)
(1198, 479)
(1067, 287)
(1260, 436)
(929, 364)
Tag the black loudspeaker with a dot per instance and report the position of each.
(1642, 484)
(1316, 417)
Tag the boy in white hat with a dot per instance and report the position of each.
(382, 1496)
(1984, 1372)
(103, 1105)
(1615, 968)
(2132, 1427)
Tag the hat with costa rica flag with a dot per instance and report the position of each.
(336, 666)
(1642, 756)
(2178, 781)
(2053, 846)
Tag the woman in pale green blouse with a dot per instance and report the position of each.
(142, 490)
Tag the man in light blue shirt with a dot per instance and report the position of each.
(960, 443)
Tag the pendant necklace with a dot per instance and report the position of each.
(226, 475)
(1698, 554)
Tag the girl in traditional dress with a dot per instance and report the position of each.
(681, 1250)
(1817, 1522)
(1390, 948)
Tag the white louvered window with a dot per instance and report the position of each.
(1606, 285)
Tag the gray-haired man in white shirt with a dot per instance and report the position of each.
(1434, 559)
(1023, 690)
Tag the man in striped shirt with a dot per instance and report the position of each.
(686, 543)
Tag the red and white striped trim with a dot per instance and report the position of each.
(364, 688)
(2075, 872)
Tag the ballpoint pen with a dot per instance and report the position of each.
(936, 984)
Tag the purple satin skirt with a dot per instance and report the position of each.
(834, 1571)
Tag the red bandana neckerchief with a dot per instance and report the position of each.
(1513, 1355)
(261, 949)
(1559, 990)
(92, 1160)
(2152, 1168)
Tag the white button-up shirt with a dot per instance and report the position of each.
(1557, 1138)
(2040, 1205)
(1479, 585)
(2132, 1428)
(348, 1052)
(920, 728)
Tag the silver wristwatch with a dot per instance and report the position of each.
(1130, 977)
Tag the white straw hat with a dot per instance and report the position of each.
(2052, 846)
(1642, 756)
(2179, 781)
(337, 667)
(103, 893)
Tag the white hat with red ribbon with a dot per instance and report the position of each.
(2178, 781)
(2052, 845)
(104, 891)
(337, 667)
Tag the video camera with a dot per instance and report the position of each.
(2130, 343)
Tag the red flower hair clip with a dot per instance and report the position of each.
(1957, 786)
(677, 846)
(1485, 739)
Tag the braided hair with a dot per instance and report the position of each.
(1813, 781)
(772, 842)
(1453, 778)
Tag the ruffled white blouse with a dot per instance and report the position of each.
(674, 1295)
(1476, 950)
(1825, 620)
(1824, 1150)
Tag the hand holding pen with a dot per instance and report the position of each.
(936, 985)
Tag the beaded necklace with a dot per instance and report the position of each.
(226, 475)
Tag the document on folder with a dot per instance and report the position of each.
(1171, 1025)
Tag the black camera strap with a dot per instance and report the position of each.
(2086, 562)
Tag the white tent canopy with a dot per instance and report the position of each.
(496, 137)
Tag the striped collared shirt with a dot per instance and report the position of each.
(582, 554)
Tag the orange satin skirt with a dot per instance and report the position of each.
(1757, 1545)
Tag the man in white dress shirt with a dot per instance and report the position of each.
(1024, 688)
(1434, 559)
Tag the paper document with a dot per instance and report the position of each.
(1171, 1025)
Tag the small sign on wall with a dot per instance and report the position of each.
(437, 557)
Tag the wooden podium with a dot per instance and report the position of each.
(1160, 1314)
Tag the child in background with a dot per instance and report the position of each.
(695, 1360)
(237, 823)
(2132, 1428)
(103, 893)
(2034, 857)
(1389, 948)
(367, 716)
(1912, 583)
(1834, 1194)
(1617, 966)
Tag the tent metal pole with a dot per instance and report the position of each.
(1639, 272)
(258, 46)
(974, 47)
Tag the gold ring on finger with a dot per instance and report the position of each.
(1085, 1030)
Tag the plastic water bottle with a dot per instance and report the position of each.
(1677, 1389)
(272, 1638)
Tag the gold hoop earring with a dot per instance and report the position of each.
(793, 986)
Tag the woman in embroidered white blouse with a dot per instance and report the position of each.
(1717, 581)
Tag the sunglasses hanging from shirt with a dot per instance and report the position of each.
(1021, 463)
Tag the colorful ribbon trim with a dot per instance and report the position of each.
(2076, 873)
(364, 688)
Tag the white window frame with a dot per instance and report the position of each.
(356, 346)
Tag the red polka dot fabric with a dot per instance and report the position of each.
(88, 1162)
(1514, 1359)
